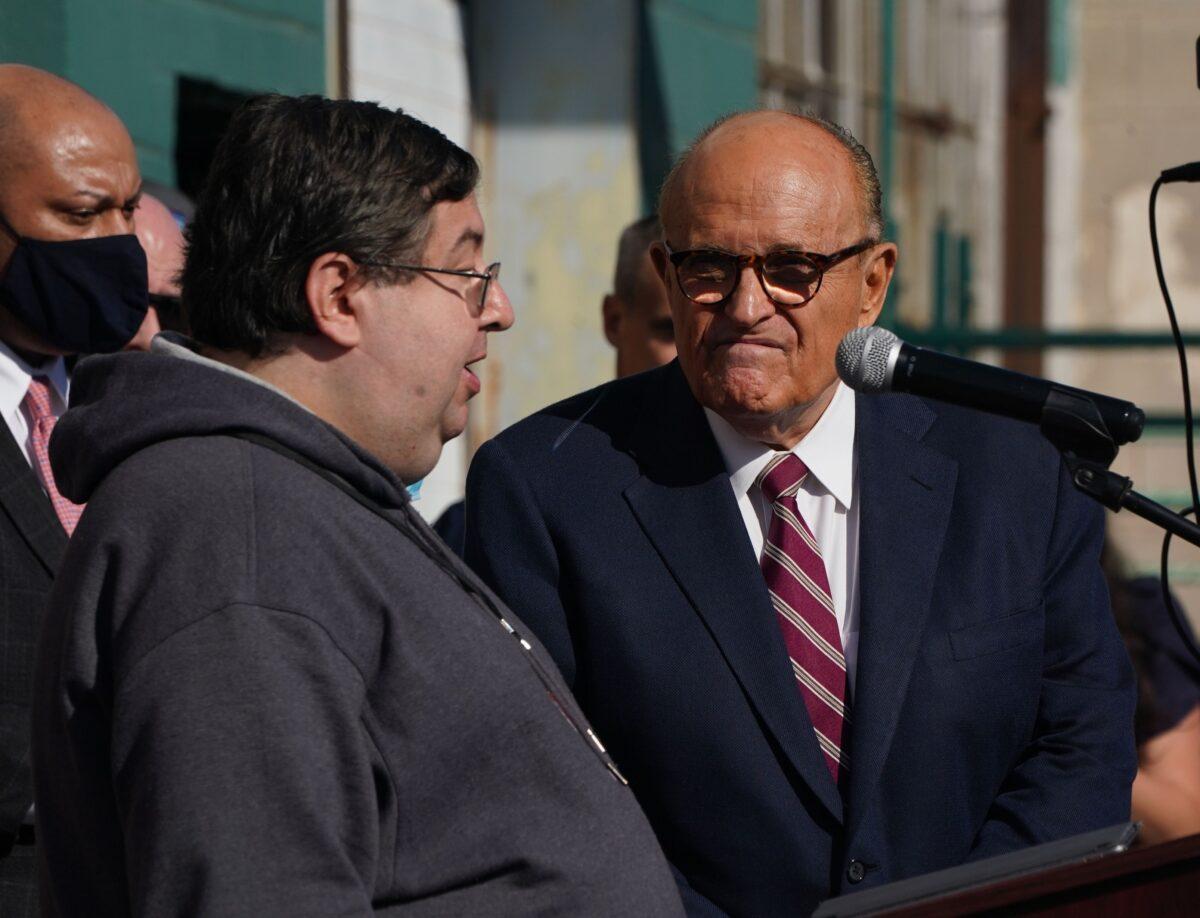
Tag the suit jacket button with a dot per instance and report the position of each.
(856, 872)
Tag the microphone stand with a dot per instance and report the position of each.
(1074, 425)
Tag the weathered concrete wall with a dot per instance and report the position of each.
(554, 95)
(1138, 112)
(412, 55)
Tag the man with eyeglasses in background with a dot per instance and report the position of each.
(264, 687)
(834, 640)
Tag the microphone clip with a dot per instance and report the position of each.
(1075, 426)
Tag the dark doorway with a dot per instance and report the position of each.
(202, 114)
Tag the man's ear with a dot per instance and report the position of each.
(878, 276)
(332, 289)
(612, 310)
(658, 255)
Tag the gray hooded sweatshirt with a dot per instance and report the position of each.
(257, 696)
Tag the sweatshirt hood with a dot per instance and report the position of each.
(122, 403)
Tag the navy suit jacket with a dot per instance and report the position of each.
(32, 543)
(993, 703)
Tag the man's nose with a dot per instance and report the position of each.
(748, 304)
(497, 311)
(115, 222)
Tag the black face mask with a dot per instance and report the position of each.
(84, 296)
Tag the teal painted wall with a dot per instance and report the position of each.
(698, 61)
(130, 52)
(1060, 38)
(32, 33)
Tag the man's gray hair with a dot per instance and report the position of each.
(870, 190)
(635, 240)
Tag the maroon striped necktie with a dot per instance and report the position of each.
(799, 588)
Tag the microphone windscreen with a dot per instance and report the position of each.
(863, 356)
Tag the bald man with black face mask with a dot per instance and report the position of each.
(72, 281)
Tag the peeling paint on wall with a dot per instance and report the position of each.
(556, 139)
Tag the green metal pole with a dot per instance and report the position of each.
(941, 276)
(964, 281)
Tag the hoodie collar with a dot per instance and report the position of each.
(123, 403)
(173, 344)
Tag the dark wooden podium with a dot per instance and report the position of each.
(1145, 880)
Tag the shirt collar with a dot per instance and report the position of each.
(16, 373)
(827, 449)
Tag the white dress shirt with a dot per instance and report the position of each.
(15, 375)
(828, 501)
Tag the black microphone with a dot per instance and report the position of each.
(875, 360)
(1188, 172)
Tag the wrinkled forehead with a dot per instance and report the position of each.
(764, 193)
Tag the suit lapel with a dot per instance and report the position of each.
(905, 491)
(684, 503)
(26, 504)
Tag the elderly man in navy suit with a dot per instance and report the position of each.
(833, 640)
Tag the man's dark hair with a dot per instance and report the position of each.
(293, 178)
(869, 187)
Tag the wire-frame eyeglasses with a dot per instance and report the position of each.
(491, 273)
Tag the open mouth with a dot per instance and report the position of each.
(470, 377)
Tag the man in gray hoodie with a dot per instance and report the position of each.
(264, 686)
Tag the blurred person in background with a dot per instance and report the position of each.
(637, 322)
(637, 314)
(72, 280)
(177, 203)
(1166, 725)
(161, 238)
(264, 686)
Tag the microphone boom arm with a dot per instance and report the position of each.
(1116, 492)
(1074, 425)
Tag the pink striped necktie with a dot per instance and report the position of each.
(41, 415)
(799, 588)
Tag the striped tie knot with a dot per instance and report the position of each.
(37, 398)
(782, 477)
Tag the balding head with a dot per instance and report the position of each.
(637, 316)
(162, 242)
(784, 194)
(67, 170)
(160, 236)
(773, 127)
(38, 109)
